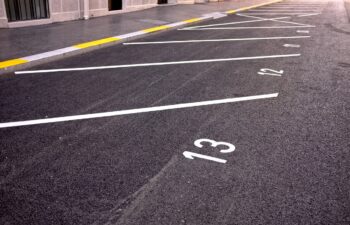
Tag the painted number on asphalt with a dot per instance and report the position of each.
(270, 72)
(227, 148)
(230, 147)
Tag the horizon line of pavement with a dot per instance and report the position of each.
(11, 65)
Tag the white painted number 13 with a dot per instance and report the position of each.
(230, 148)
(199, 143)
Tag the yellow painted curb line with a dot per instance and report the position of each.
(251, 7)
(12, 62)
(97, 42)
(192, 20)
(154, 29)
(231, 11)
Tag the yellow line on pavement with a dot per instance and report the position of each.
(231, 11)
(250, 7)
(192, 20)
(154, 29)
(12, 62)
(97, 42)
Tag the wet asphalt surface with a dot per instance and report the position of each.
(290, 165)
(26, 41)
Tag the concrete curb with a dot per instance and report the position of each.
(12, 65)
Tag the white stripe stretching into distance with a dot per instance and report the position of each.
(155, 64)
(239, 22)
(73, 48)
(291, 46)
(245, 28)
(273, 19)
(276, 13)
(299, 4)
(288, 7)
(283, 10)
(135, 111)
(303, 31)
(256, 19)
(292, 9)
(213, 40)
(311, 14)
(296, 3)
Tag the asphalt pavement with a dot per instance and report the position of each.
(238, 120)
(26, 41)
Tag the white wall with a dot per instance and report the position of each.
(3, 17)
(63, 10)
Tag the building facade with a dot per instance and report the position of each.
(19, 13)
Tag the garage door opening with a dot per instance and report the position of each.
(18, 10)
(162, 1)
(115, 5)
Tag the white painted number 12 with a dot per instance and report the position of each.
(270, 72)
(199, 143)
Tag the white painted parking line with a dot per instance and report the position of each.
(292, 6)
(311, 14)
(295, 4)
(291, 46)
(293, 9)
(246, 28)
(274, 19)
(155, 64)
(283, 10)
(288, 7)
(275, 13)
(232, 23)
(303, 31)
(135, 111)
(214, 40)
(215, 15)
(301, 3)
(217, 26)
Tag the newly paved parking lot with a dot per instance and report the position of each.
(239, 120)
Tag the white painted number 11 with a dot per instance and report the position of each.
(199, 143)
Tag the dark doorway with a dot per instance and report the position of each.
(115, 4)
(18, 10)
(162, 1)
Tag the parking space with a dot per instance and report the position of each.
(229, 121)
(147, 61)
